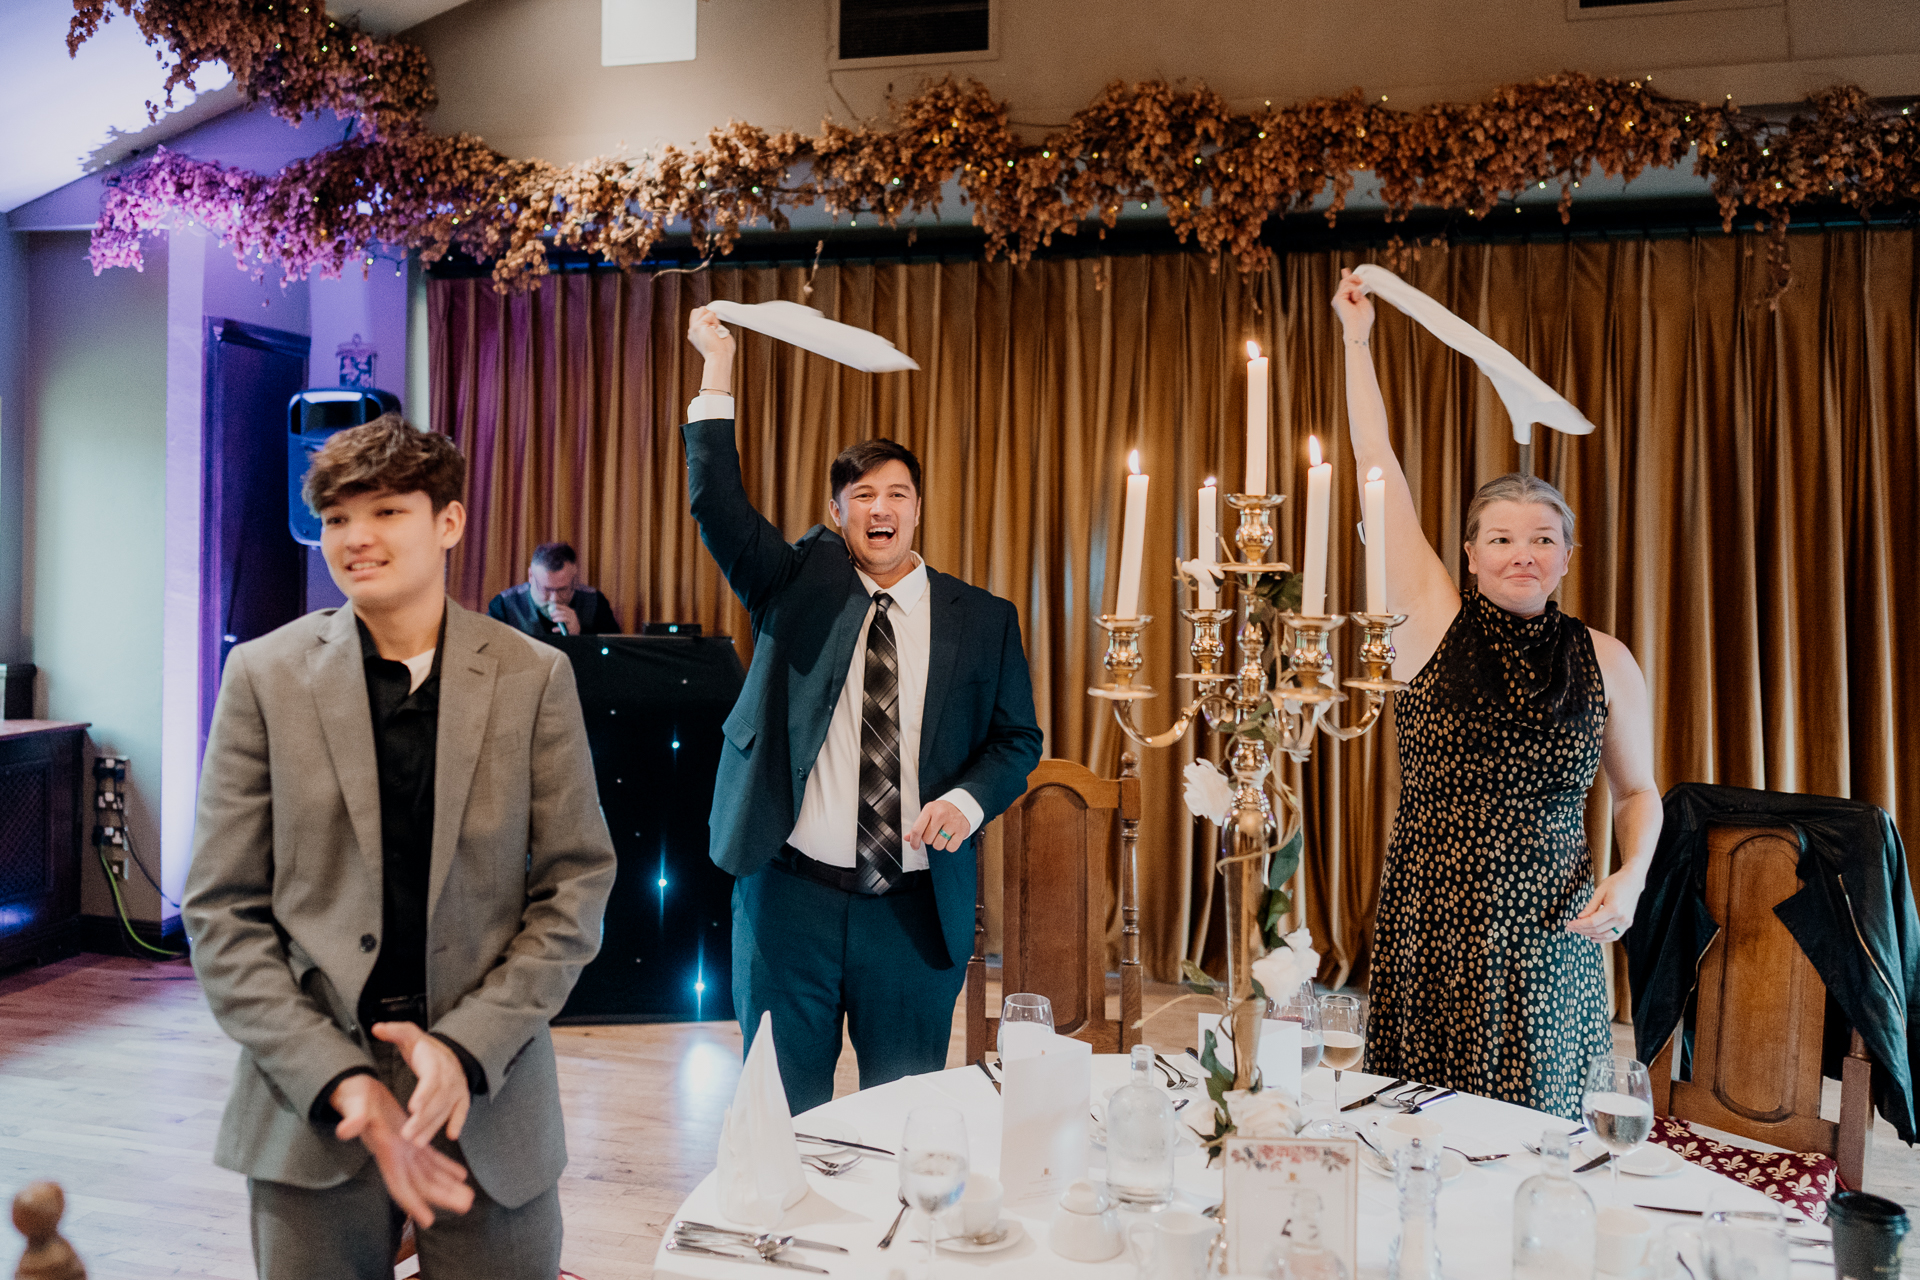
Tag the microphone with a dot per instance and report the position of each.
(547, 609)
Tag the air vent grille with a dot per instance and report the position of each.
(911, 28)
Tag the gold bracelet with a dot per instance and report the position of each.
(709, 391)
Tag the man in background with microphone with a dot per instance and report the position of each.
(552, 601)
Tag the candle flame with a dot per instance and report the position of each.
(1313, 450)
(1133, 462)
(1211, 482)
(1373, 473)
(1253, 349)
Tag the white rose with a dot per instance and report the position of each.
(1209, 794)
(1281, 971)
(1268, 1113)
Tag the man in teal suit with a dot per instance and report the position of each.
(888, 716)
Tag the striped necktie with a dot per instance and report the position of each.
(877, 848)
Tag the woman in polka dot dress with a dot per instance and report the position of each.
(1486, 973)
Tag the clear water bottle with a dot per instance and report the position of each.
(1415, 1252)
(1140, 1137)
(1553, 1219)
(1301, 1254)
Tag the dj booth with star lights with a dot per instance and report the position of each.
(653, 707)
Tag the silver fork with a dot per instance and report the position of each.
(831, 1168)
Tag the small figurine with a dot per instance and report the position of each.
(36, 1211)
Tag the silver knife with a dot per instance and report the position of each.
(1596, 1162)
(1372, 1097)
(681, 1246)
(684, 1225)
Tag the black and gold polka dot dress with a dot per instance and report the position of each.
(1476, 983)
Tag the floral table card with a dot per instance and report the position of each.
(1264, 1178)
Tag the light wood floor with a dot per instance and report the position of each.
(113, 1075)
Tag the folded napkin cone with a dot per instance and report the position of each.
(759, 1167)
(1527, 399)
(806, 327)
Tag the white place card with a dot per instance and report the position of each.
(1264, 1175)
(1044, 1098)
(1279, 1051)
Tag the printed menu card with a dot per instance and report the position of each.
(1047, 1087)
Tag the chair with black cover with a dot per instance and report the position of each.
(1058, 841)
(1760, 1015)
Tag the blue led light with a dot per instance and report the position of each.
(663, 884)
(699, 986)
(676, 744)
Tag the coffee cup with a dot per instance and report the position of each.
(976, 1215)
(1176, 1245)
(1868, 1233)
(1621, 1240)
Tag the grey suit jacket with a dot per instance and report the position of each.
(283, 900)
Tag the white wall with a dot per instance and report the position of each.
(526, 74)
(96, 405)
(14, 646)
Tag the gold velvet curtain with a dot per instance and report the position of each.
(1746, 506)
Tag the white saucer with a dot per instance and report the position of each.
(1009, 1234)
(1648, 1160)
(1452, 1163)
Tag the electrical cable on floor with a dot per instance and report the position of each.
(127, 833)
(126, 923)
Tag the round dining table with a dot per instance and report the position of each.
(854, 1209)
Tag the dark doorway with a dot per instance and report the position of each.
(252, 573)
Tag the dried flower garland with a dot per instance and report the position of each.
(1217, 174)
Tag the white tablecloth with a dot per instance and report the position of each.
(1476, 1209)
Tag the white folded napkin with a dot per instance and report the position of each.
(806, 327)
(1528, 400)
(759, 1167)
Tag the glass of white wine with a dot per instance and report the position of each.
(1343, 1030)
(933, 1165)
(1618, 1107)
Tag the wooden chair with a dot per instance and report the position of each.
(1057, 842)
(1761, 1016)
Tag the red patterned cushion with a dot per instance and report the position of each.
(1800, 1180)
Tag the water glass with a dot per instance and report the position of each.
(1343, 1030)
(1618, 1107)
(1022, 1007)
(1745, 1241)
(933, 1165)
(1303, 1007)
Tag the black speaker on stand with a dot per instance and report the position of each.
(653, 707)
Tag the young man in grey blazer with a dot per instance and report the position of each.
(399, 869)
(887, 717)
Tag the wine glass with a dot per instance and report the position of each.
(1343, 1030)
(1744, 1238)
(1022, 1007)
(933, 1165)
(1303, 1007)
(1618, 1107)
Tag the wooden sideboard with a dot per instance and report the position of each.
(42, 827)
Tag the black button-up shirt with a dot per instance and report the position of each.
(406, 726)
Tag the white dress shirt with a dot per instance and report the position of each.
(829, 823)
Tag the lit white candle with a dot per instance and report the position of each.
(1313, 593)
(1256, 419)
(1376, 517)
(1209, 537)
(1133, 536)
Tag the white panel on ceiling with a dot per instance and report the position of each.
(636, 31)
